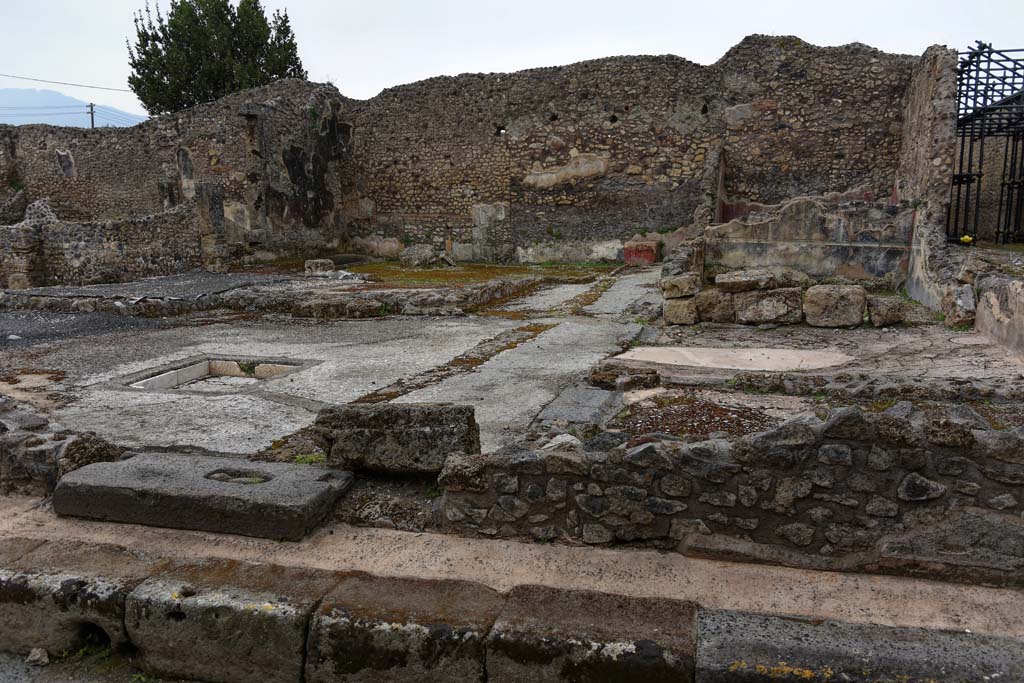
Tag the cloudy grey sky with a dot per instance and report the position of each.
(365, 46)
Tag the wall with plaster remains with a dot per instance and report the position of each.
(544, 164)
(601, 150)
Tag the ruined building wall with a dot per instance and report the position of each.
(603, 149)
(44, 250)
(268, 159)
(561, 162)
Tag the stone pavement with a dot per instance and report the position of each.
(346, 360)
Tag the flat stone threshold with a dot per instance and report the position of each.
(765, 359)
(227, 495)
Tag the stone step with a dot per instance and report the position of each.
(225, 495)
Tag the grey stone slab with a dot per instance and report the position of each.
(224, 620)
(736, 647)
(52, 597)
(176, 491)
(547, 634)
(581, 404)
(373, 629)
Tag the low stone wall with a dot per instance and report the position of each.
(43, 250)
(876, 492)
(124, 250)
(300, 303)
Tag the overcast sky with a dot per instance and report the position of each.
(363, 47)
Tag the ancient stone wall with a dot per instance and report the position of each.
(855, 491)
(108, 251)
(270, 156)
(43, 250)
(544, 164)
(926, 167)
(600, 150)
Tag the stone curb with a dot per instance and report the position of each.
(228, 621)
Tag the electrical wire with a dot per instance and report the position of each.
(76, 85)
(55, 113)
(65, 106)
(114, 113)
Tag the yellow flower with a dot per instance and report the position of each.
(966, 239)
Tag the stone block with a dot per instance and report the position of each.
(419, 256)
(319, 266)
(835, 305)
(885, 311)
(63, 593)
(398, 437)
(641, 252)
(376, 629)
(223, 495)
(714, 305)
(546, 634)
(745, 280)
(677, 286)
(738, 647)
(681, 311)
(769, 306)
(225, 621)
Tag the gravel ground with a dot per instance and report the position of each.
(19, 329)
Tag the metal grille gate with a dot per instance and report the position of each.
(990, 131)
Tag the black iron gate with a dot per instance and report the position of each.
(987, 194)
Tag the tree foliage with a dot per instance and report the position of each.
(204, 49)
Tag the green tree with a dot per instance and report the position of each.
(204, 49)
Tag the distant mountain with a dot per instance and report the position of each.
(24, 105)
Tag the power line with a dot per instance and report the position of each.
(115, 112)
(65, 106)
(117, 119)
(76, 85)
(118, 122)
(54, 113)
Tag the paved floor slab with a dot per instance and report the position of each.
(626, 289)
(547, 298)
(268, 500)
(509, 390)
